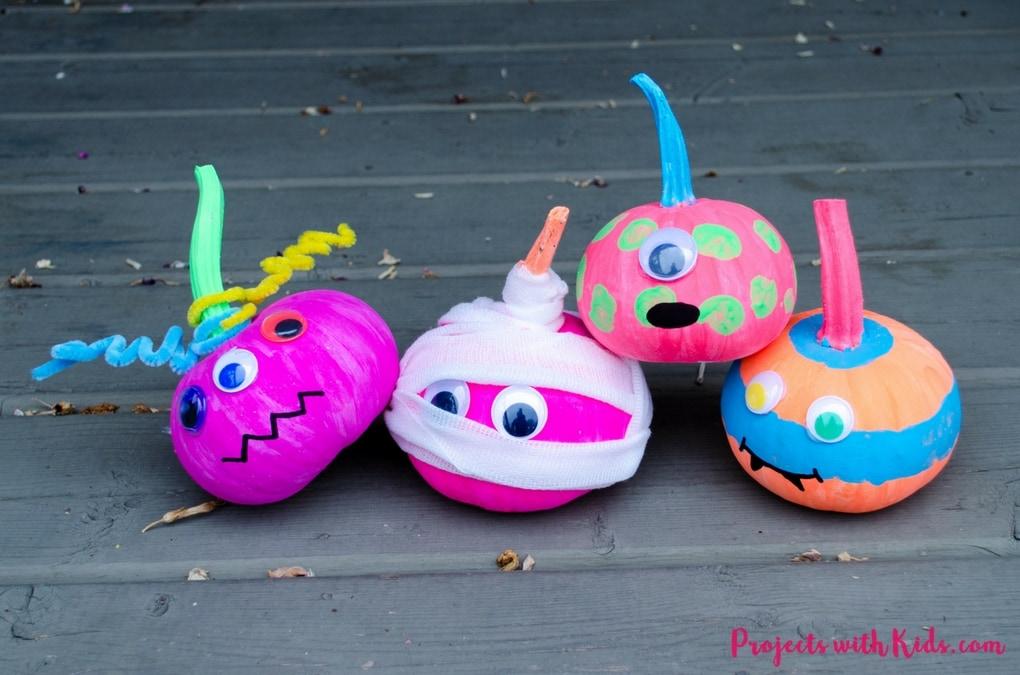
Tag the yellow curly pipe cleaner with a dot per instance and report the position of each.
(278, 269)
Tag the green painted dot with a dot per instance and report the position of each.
(579, 286)
(768, 235)
(717, 241)
(648, 298)
(635, 234)
(723, 313)
(607, 228)
(829, 426)
(763, 296)
(788, 300)
(603, 309)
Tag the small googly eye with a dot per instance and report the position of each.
(519, 412)
(283, 326)
(764, 392)
(453, 396)
(668, 254)
(830, 419)
(191, 409)
(235, 370)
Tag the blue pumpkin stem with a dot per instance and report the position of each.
(676, 168)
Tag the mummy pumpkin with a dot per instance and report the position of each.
(847, 410)
(511, 406)
(685, 279)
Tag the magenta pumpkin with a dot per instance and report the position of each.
(685, 279)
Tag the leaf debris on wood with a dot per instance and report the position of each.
(44, 264)
(508, 561)
(424, 195)
(198, 574)
(597, 181)
(22, 280)
(132, 263)
(152, 281)
(142, 409)
(100, 409)
(529, 97)
(388, 258)
(184, 512)
(316, 110)
(528, 563)
(847, 557)
(59, 408)
(290, 572)
(809, 556)
(426, 273)
(175, 265)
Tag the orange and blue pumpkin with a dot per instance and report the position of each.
(685, 279)
(847, 410)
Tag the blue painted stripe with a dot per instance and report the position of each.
(863, 456)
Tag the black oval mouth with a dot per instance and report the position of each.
(672, 315)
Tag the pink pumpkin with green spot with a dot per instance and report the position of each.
(685, 280)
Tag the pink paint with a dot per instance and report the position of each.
(842, 296)
(344, 365)
(572, 418)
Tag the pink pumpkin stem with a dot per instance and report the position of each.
(541, 255)
(842, 297)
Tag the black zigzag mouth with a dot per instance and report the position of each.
(757, 464)
(274, 431)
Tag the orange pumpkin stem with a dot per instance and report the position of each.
(543, 251)
(842, 296)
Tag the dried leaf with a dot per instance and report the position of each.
(424, 195)
(388, 258)
(388, 273)
(64, 408)
(152, 281)
(316, 110)
(811, 555)
(100, 409)
(800, 39)
(134, 264)
(529, 97)
(198, 574)
(182, 513)
(847, 557)
(142, 409)
(597, 181)
(711, 173)
(508, 560)
(290, 572)
(528, 564)
(175, 265)
(460, 99)
(426, 273)
(44, 264)
(22, 280)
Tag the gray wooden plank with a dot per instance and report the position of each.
(92, 234)
(272, 86)
(91, 483)
(366, 146)
(486, 23)
(938, 296)
(663, 621)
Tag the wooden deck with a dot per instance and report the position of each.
(649, 576)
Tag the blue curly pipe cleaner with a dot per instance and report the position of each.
(119, 353)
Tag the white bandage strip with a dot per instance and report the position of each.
(516, 342)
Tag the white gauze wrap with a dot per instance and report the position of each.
(508, 343)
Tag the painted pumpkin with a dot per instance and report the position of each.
(511, 406)
(260, 417)
(847, 410)
(685, 279)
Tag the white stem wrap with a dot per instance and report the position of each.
(515, 342)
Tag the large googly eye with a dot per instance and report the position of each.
(830, 419)
(668, 254)
(764, 392)
(235, 370)
(520, 412)
(453, 396)
(191, 409)
(283, 326)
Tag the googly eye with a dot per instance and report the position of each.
(668, 254)
(764, 392)
(283, 326)
(191, 409)
(235, 370)
(830, 419)
(520, 412)
(453, 396)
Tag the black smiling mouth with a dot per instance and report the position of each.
(672, 315)
(757, 463)
(274, 432)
